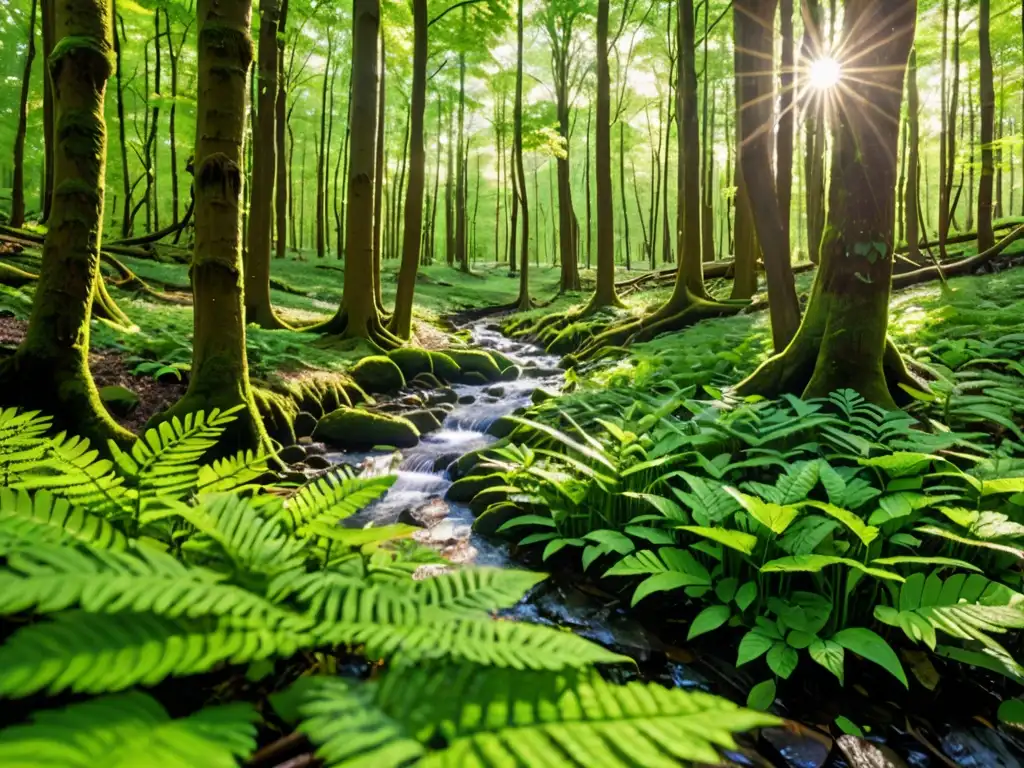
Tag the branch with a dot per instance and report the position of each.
(445, 12)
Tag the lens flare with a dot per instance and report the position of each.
(825, 74)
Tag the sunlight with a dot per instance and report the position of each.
(825, 73)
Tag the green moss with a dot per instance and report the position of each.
(429, 379)
(488, 523)
(503, 361)
(465, 489)
(377, 374)
(359, 430)
(412, 361)
(511, 373)
(445, 368)
(278, 412)
(425, 420)
(475, 361)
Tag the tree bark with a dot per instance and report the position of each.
(460, 174)
(379, 164)
(18, 180)
(280, 128)
(321, 171)
(49, 139)
(814, 120)
(258, 306)
(126, 182)
(524, 302)
(842, 342)
(986, 237)
(622, 195)
(753, 54)
(50, 369)
(784, 139)
(911, 203)
(586, 187)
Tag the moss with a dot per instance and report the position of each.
(278, 412)
(377, 373)
(475, 361)
(465, 489)
(488, 523)
(511, 373)
(502, 427)
(474, 377)
(425, 420)
(412, 361)
(429, 379)
(503, 361)
(354, 429)
(445, 368)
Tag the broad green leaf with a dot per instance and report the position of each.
(816, 563)
(762, 695)
(775, 517)
(754, 644)
(782, 659)
(934, 530)
(866, 533)
(738, 540)
(668, 508)
(663, 582)
(708, 620)
(830, 655)
(866, 643)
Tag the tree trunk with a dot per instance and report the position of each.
(321, 172)
(50, 369)
(567, 246)
(171, 115)
(707, 210)
(911, 203)
(753, 54)
(622, 195)
(379, 164)
(814, 120)
(524, 302)
(460, 174)
(155, 122)
(784, 139)
(49, 139)
(972, 122)
(126, 182)
(986, 238)
(997, 209)
(842, 341)
(431, 242)
(258, 306)
(586, 187)
(746, 252)
(280, 127)
(449, 194)
(604, 293)
(401, 321)
(18, 180)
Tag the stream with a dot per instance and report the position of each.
(939, 728)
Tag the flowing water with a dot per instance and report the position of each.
(941, 731)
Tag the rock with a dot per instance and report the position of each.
(798, 745)
(497, 390)
(465, 489)
(412, 401)
(541, 395)
(445, 368)
(488, 523)
(424, 420)
(446, 408)
(442, 462)
(441, 413)
(467, 399)
(472, 361)
(486, 497)
(316, 461)
(377, 373)
(352, 429)
(467, 462)
(119, 400)
(542, 373)
(307, 441)
(412, 361)
(355, 393)
(426, 516)
(502, 427)
(304, 424)
(312, 449)
(861, 753)
(443, 396)
(293, 454)
(511, 373)
(427, 380)
(504, 362)
(294, 477)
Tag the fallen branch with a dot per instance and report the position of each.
(962, 267)
(160, 234)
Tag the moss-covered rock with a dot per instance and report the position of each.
(119, 400)
(412, 361)
(359, 430)
(475, 361)
(428, 380)
(486, 497)
(488, 523)
(474, 377)
(503, 361)
(466, 464)
(540, 395)
(464, 489)
(445, 368)
(511, 373)
(502, 427)
(377, 373)
(424, 420)
(443, 396)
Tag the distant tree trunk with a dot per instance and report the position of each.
(997, 210)
(476, 209)
(671, 44)
(622, 195)
(746, 251)
(49, 139)
(911, 203)
(753, 53)
(173, 55)
(401, 320)
(499, 129)
(291, 188)
(842, 342)
(814, 121)
(784, 139)
(344, 172)
(460, 173)
(155, 122)
(220, 375)
(972, 122)
(524, 302)
(18, 180)
(321, 173)
(50, 369)
(302, 194)
(281, 196)
(380, 163)
(586, 187)
(437, 180)
(901, 185)
(449, 194)
(399, 190)
(258, 306)
(707, 210)
(986, 237)
(560, 33)
(126, 219)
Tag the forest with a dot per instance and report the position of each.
(512, 383)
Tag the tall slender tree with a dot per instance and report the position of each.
(18, 176)
(524, 301)
(986, 237)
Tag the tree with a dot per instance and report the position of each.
(986, 237)
(50, 369)
(18, 177)
(522, 204)
(220, 371)
(258, 307)
(401, 320)
(814, 142)
(842, 341)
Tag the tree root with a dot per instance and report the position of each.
(105, 308)
(14, 277)
(375, 333)
(129, 281)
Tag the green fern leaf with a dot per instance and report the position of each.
(475, 589)
(130, 729)
(54, 519)
(332, 498)
(22, 440)
(231, 473)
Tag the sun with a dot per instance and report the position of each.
(825, 73)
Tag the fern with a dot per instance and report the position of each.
(524, 718)
(54, 519)
(130, 729)
(332, 498)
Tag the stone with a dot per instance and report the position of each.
(445, 368)
(542, 373)
(861, 753)
(442, 462)
(467, 399)
(445, 408)
(353, 429)
(511, 373)
(488, 523)
(316, 461)
(473, 361)
(466, 489)
(427, 381)
(119, 400)
(293, 454)
(424, 420)
(307, 440)
(312, 449)
(412, 361)
(440, 413)
(304, 424)
(445, 395)
(798, 745)
(504, 362)
(541, 395)
(487, 496)
(502, 427)
(377, 373)
(411, 401)
(497, 390)
(431, 513)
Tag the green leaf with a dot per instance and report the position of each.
(668, 508)
(865, 533)
(816, 563)
(746, 595)
(754, 644)
(830, 655)
(664, 582)
(708, 620)
(782, 659)
(847, 726)
(869, 645)
(775, 517)
(901, 463)
(762, 695)
(1002, 485)
(1011, 712)
(738, 540)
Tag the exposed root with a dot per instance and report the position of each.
(14, 277)
(375, 333)
(105, 308)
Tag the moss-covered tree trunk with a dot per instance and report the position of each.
(560, 33)
(321, 157)
(258, 307)
(401, 320)
(220, 372)
(50, 369)
(18, 180)
(280, 128)
(911, 202)
(842, 341)
(461, 256)
(604, 293)
(814, 133)
(986, 238)
(379, 164)
(524, 301)
(784, 139)
(753, 55)
(49, 138)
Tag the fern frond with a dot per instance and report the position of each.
(54, 519)
(130, 729)
(231, 473)
(331, 498)
(22, 440)
(475, 589)
(97, 652)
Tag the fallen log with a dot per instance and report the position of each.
(961, 267)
